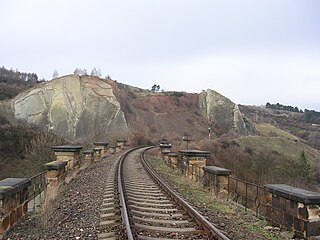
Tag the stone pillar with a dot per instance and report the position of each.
(68, 153)
(194, 160)
(294, 208)
(89, 156)
(13, 201)
(56, 176)
(120, 144)
(172, 160)
(97, 154)
(165, 148)
(55, 171)
(216, 179)
(195, 168)
(103, 146)
(112, 149)
(166, 158)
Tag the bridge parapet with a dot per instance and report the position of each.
(89, 155)
(103, 146)
(13, 201)
(68, 153)
(120, 144)
(216, 179)
(192, 162)
(294, 208)
(55, 170)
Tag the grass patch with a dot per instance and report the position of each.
(282, 145)
(268, 130)
(258, 227)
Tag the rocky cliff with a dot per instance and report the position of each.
(84, 106)
(224, 113)
(74, 106)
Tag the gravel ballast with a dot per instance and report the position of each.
(74, 213)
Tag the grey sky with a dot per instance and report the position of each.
(250, 51)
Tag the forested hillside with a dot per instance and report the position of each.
(12, 82)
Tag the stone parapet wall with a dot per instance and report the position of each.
(294, 208)
(216, 179)
(13, 201)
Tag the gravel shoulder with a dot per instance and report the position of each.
(74, 214)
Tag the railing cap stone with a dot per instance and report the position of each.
(293, 193)
(217, 170)
(171, 154)
(10, 186)
(88, 151)
(194, 153)
(55, 165)
(101, 143)
(66, 148)
(165, 145)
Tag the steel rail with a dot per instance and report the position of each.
(211, 229)
(123, 204)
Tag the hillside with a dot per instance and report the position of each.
(84, 107)
(13, 82)
(291, 122)
(258, 144)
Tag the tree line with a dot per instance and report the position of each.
(283, 107)
(310, 116)
(11, 75)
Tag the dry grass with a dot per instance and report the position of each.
(285, 146)
(267, 130)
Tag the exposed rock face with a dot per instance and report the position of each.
(224, 113)
(73, 106)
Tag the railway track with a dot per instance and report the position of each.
(149, 209)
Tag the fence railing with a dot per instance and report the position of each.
(250, 195)
(36, 190)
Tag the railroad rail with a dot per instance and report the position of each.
(149, 208)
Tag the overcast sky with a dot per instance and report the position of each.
(253, 51)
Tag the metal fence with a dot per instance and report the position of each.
(36, 190)
(250, 195)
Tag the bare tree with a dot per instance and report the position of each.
(55, 74)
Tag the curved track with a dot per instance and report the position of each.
(150, 210)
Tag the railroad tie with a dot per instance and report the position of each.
(109, 211)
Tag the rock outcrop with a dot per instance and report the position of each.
(73, 106)
(224, 113)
